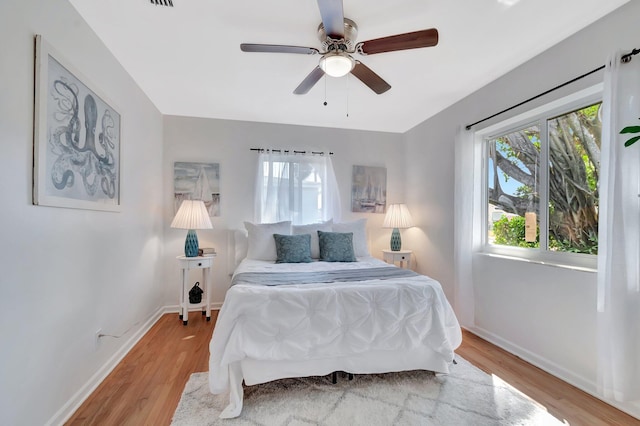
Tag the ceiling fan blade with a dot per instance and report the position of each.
(370, 78)
(277, 48)
(332, 17)
(309, 81)
(413, 40)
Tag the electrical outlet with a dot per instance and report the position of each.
(97, 337)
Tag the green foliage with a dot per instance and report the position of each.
(591, 112)
(510, 232)
(523, 191)
(588, 246)
(631, 129)
(591, 171)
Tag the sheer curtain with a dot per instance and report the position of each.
(301, 188)
(467, 221)
(619, 237)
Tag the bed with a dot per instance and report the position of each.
(283, 320)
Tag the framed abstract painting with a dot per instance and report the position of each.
(76, 158)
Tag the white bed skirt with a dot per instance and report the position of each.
(254, 372)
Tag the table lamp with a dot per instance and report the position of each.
(398, 217)
(192, 215)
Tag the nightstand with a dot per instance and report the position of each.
(198, 262)
(402, 256)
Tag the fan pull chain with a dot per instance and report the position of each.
(325, 90)
(348, 95)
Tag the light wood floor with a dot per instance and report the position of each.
(144, 389)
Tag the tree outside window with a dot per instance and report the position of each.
(517, 184)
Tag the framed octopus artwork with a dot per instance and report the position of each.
(76, 138)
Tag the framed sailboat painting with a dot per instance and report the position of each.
(369, 189)
(197, 181)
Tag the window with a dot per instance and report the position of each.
(295, 187)
(541, 189)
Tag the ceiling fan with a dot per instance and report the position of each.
(338, 35)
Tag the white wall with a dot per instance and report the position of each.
(545, 314)
(65, 272)
(228, 142)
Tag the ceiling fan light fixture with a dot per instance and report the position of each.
(337, 64)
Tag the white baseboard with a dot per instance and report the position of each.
(535, 359)
(79, 397)
(550, 367)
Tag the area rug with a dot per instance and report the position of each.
(466, 396)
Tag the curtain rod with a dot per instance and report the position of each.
(625, 58)
(286, 151)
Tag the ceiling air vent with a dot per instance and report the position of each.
(162, 2)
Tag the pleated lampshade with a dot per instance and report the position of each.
(192, 215)
(398, 216)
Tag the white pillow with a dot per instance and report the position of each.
(313, 229)
(241, 241)
(359, 229)
(262, 246)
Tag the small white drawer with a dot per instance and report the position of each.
(201, 262)
(196, 262)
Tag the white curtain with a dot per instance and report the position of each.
(301, 188)
(468, 155)
(619, 237)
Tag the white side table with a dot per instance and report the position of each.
(199, 262)
(402, 256)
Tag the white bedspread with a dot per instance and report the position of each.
(319, 321)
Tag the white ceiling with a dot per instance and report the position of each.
(188, 61)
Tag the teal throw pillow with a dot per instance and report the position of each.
(293, 248)
(336, 246)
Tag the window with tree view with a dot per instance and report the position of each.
(542, 183)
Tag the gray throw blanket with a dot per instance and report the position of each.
(281, 278)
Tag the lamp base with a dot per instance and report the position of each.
(191, 244)
(396, 242)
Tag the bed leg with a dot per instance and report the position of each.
(350, 376)
(334, 378)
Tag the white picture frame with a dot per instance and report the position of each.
(77, 145)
